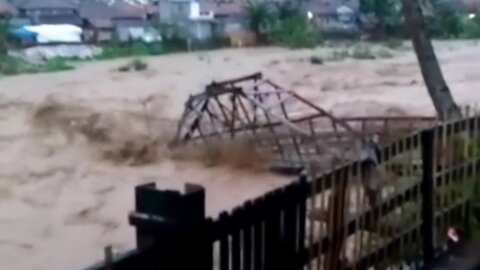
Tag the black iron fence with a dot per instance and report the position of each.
(324, 220)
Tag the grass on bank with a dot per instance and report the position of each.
(11, 65)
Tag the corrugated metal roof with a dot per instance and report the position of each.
(327, 7)
(102, 23)
(39, 4)
(6, 8)
(223, 8)
(59, 19)
(92, 9)
(472, 6)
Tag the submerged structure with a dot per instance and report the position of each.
(293, 129)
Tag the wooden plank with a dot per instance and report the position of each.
(236, 236)
(289, 228)
(247, 237)
(304, 192)
(427, 189)
(255, 76)
(409, 194)
(258, 234)
(272, 231)
(336, 220)
(224, 243)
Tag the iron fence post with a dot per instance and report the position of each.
(172, 227)
(427, 193)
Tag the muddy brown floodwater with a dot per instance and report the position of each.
(60, 204)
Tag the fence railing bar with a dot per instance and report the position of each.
(412, 142)
(394, 243)
(370, 259)
(409, 194)
(270, 231)
(427, 190)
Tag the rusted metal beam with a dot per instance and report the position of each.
(255, 76)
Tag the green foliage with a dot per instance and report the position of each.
(54, 65)
(295, 31)
(443, 22)
(11, 65)
(284, 25)
(259, 16)
(394, 44)
(387, 12)
(3, 37)
(360, 51)
(471, 27)
(446, 22)
(383, 53)
(172, 40)
(115, 49)
(285, 10)
(339, 55)
(451, 24)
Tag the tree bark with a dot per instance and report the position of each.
(438, 89)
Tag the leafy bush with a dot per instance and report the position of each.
(295, 32)
(394, 43)
(338, 55)
(387, 12)
(284, 25)
(446, 24)
(384, 53)
(115, 49)
(259, 16)
(3, 37)
(471, 27)
(55, 65)
(10, 65)
(362, 51)
(358, 51)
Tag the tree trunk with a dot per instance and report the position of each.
(438, 89)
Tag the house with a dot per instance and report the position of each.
(470, 6)
(98, 20)
(119, 20)
(230, 16)
(99, 30)
(33, 8)
(331, 13)
(49, 11)
(188, 17)
(204, 19)
(7, 10)
(336, 18)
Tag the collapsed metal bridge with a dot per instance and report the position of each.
(295, 130)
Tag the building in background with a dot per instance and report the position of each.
(119, 21)
(7, 10)
(49, 11)
(334, 17)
